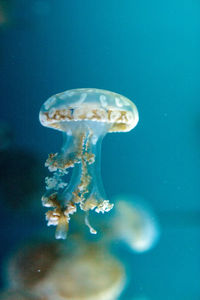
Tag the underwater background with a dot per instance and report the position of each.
(148, 51)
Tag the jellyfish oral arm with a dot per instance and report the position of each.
(82, 152)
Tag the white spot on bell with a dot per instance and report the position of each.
(103, 101)
(118, 102)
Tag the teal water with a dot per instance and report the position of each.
(149, 52)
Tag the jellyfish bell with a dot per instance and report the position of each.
(84, 116)
(89, 105)
(135, 223)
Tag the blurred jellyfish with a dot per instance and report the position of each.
(88, 272)
(135, 223)
(84, 116)
(31, 263)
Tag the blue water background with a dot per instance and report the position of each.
(148, 51)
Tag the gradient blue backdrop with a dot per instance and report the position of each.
(148, 51)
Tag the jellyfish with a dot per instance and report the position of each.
(31, 263)
(139, 227)
(51, 270)
(92, 273)
(84, 116)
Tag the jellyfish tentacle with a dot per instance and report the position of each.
(87, 223)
